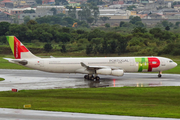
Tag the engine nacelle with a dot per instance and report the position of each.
(110, 72)
(117, 72)
(104, 71)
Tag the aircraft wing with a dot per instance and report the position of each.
(99, 67)
(20, 61)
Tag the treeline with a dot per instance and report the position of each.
(140, 41)
(60, 19)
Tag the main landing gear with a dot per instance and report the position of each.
(91, 77)
(160, 74)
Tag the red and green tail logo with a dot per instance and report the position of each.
(16, 46)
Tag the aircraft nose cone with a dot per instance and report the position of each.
(175, 64)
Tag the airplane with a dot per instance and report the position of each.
(91, 66)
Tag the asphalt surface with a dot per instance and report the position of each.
(19, 114)
(33, 79)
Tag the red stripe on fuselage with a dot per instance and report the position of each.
(153, 63)
(18, 48)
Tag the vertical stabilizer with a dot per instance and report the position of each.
(18, 49)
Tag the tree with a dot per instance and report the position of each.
(177, 24)
(131, 17)
(47, 47)
(63, 50)
(105, 47)
(3, 39)
(135, 19)
(26, 19)
(139, 29)
(104, 19)
(131, 7)
(155, 30)
(113, 46)
(89, 49)
(63, 37)
(72, 12)
(61, 15)
(96, 13)
(107, 25)
(84, 14)
(19, 31)
(16, 19)
(167, 28)
(96, 33)
(54, 11)
(165, 23)
(139, 24)
(4, 27)
(121, 23)
(126, 24)
(69, 20)
(31, 22)
(83, 24)
(171, 48)
(90, 20)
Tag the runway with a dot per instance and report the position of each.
(19, 114)
(33, 79)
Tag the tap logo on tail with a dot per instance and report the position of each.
(16, 46)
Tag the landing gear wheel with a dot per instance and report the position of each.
(159, 75)
(86, 77)
(91, 78)
(97, 78)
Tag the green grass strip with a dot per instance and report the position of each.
(1, 79)
(131, 101)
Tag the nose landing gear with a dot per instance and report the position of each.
(160, 74)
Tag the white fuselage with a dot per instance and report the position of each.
(73, 65)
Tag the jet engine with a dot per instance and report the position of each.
(117, 72)
(104, 71)
(110, 72)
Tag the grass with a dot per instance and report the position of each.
(1, 79)
(131, 101)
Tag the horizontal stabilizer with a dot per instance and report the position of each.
(20, 61)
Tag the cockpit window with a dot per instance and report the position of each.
(170, 61)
